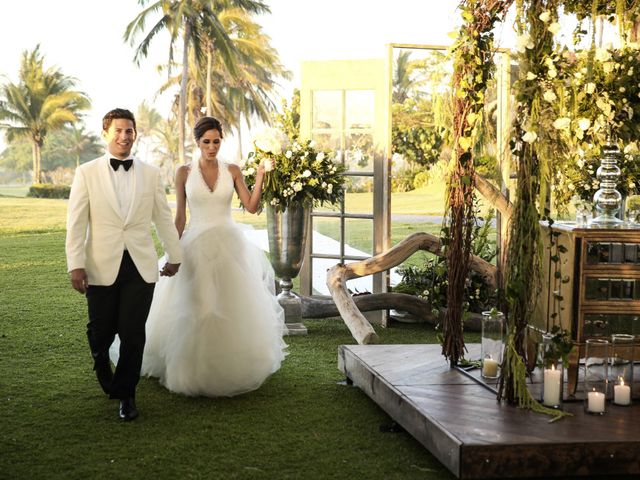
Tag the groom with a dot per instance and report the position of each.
(111, 255)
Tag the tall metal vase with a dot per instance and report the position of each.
(287, 231)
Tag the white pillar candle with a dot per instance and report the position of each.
(551, 387)
(595, 402)
(489, 368)
(622, 394)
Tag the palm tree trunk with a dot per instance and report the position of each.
(182, 113)
(35, 149)
(240, 141)
(209, 66)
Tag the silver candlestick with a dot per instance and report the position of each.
(607, 199)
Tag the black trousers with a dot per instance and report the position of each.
(120, 308)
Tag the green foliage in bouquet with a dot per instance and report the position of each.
(296, 171)
(300, 173)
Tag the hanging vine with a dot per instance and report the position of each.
(473, 64)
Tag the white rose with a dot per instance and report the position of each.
(320, 156)
(529, 137)
(269, 141)
(531, 76)
(545, 16)
(306, 173)
(562, 123)
(297, 187)
(552, 73)
(602, 54)
(554, 28)
(590, 88)
(584, 123)
(549, 96)
(289, 154)
(312, 143)
(268, 165)
(251, 171)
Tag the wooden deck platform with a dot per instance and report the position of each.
(460, 422)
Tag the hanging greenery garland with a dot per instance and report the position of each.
(473, 64)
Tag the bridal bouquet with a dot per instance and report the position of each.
(295, 172)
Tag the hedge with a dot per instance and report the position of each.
(48, 190)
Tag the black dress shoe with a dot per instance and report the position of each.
(128, 410)
(105, 376)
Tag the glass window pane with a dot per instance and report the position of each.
(359, 197)
(359, 108)
(358, 237)
(319, 267)
(359, 152)
(327, 109)
(326, 236)
(328, 140)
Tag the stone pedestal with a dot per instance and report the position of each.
(292, 306)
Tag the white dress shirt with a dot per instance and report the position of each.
(123, 182)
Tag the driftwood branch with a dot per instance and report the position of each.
(417, 307)
(494, 196)
(346, 305)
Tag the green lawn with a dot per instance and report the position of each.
(56, 423)
(14, 190)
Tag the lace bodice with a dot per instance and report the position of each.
(207, 207)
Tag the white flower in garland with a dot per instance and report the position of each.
(549, 96)
(297, 186)
(545, 16)
(523, 42)
(531, 76)
(289, 154)
(562, 123)
(590, 88)
(530, 137)
(584, 124)
(320, 156)
(306, 174)
(554, 28)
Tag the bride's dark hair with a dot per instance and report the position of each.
(204, 125)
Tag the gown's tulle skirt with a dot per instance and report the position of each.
(215, 328)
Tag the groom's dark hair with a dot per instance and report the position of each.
(118, 113)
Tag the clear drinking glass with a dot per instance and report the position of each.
(621, 375)
(492, 344)
(596, 375)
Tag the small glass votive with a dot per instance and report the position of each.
(552, 373)
(582, 216)
(492, 344)
(596, 377)
(622, 351)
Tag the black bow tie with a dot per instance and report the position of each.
(126, 164)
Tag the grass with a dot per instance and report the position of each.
(14, 190)
(303, 423)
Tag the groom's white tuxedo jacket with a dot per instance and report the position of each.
(97, 233)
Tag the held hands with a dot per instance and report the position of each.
(79, 280)
(169, 269)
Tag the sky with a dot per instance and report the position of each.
(84, 38)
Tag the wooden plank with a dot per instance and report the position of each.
(461, 423)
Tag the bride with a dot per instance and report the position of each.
(216, 328)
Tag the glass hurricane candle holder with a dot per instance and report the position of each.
(621, 374)
(492, 344)
(552, 373)
(596, 377)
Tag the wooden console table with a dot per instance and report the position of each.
(596, 271)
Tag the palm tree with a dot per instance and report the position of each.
(193, 20)
(79, 141)
(230, 97)
(41, 101)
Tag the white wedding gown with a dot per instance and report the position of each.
(215, 328)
